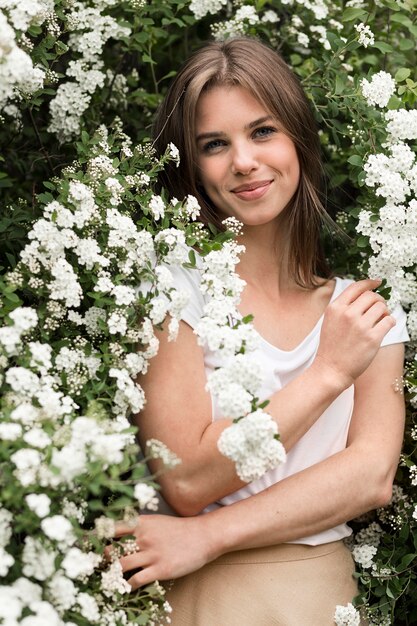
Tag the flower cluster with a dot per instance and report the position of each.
(365, 35)
(252, 441)
(90, 29)
(391, 231)
(68, 388)
(18, 74)
(379, 89)
(347, 616)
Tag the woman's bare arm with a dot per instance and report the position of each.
(178, 409)
(333, 491)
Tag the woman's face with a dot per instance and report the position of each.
(247, 165)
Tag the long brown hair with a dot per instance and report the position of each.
(254, 66)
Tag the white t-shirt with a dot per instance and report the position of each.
(329, 433)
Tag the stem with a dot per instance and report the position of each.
(155, 82)
(42, 147)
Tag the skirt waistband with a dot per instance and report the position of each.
(283, 552)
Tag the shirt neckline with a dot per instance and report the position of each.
(313, 331)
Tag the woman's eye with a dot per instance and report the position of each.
(264, 131)
(211, 146)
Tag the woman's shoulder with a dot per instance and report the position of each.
(187, 279)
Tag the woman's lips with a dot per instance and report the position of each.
(252, 191)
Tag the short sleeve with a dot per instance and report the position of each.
(189, 280)
(399, 333)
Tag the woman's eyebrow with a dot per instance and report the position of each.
(217, 133)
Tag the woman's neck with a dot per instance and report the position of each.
(265, 260)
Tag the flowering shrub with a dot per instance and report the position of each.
(86, 249)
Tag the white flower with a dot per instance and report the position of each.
(174, 153)
(37, 438)
(158, 310)
(22, 380)
(157, 207)
(10, 431)
(89, 253)
(251, 444)
(6, 561)
(177, 249)
(71, 461)
(116, 190)
(62, 592)
(58, 528)
(39, 503)
(27, 463)
(6, 519)
(124, 295)
(78, 564)
(146, 496)
(415, 513)
(135, 363)
(27, 591)
(379, 90)
(200, 8)
(402, 124)
(346, 615)
(366, 37)
(10, 606)
(165, 280)
(117, 323)
(233, 224)
(25, 413)
(65, 285)
(112, 581)
(88, 607)
(364, 555)
(44, 613)
(192, 208)
(157, 450)
(270, 17)
(38, 562)
(24, 318)
(41, 356)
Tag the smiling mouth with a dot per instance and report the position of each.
(252, 191)
(251, 186)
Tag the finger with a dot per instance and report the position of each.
(144, 577)
(365, 301)
(354, 290)
(133, 561)
(381, 328)
(125, 528)
(375, 313)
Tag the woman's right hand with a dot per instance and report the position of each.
(353, 327)
(168, 547)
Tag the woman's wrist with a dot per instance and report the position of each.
(329, 376)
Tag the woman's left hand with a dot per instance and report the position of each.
(168, 547)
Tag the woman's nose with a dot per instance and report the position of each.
(243, 159)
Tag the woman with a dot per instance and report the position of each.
(270, 552)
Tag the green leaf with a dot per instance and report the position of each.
(13, 297)
(362, 242)
(191, 256)
(402, 74)
(356, 160)
(382, 46)
(340, 85)
(351, 14)
(400, 18)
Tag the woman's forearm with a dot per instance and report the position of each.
(206, 475)
(321, 497)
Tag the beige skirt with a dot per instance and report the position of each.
(285, 585)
